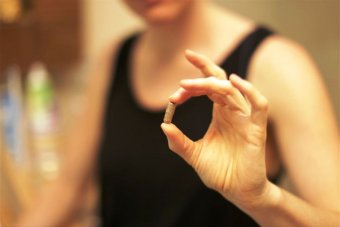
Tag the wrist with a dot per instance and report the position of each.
(269, 199)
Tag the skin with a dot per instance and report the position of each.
(306, 147)
(230, 158)
(235, 141)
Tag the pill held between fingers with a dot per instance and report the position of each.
(169, 113)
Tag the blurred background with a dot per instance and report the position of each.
(46, 49)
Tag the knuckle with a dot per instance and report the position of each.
(211, 80)
(257, 136)
(221, 73)
(226, 86)
(249, 87)
(263, 103)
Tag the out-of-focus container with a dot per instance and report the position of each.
(14, 131)
(43, 122)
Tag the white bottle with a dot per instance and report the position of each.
(12, 114)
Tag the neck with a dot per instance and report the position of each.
(184, 32)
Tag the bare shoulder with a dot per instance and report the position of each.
(97, 83)
(281, 66)
(282, 52)
(101, 68)
(284, 58)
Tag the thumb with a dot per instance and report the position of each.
(178, 142)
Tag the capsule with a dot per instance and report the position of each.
(169, 113)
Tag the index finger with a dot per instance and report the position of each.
(207, 67)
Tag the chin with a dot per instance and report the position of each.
(159, 11)
(159, 16)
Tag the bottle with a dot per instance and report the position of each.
(43, 122)
(15, 163)
(13, 120)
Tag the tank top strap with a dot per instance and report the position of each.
(238, 61)
(123, 57)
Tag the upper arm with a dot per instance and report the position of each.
(81, 144)
(304, 122)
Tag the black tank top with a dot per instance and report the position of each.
(142, 182)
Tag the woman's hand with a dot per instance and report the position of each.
(230, 158)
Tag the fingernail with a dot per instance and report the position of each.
(189, 51)
(236, 77)
(186, 81)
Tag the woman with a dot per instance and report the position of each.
(143, 185)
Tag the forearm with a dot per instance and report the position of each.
(55, 206)
(281, 208)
